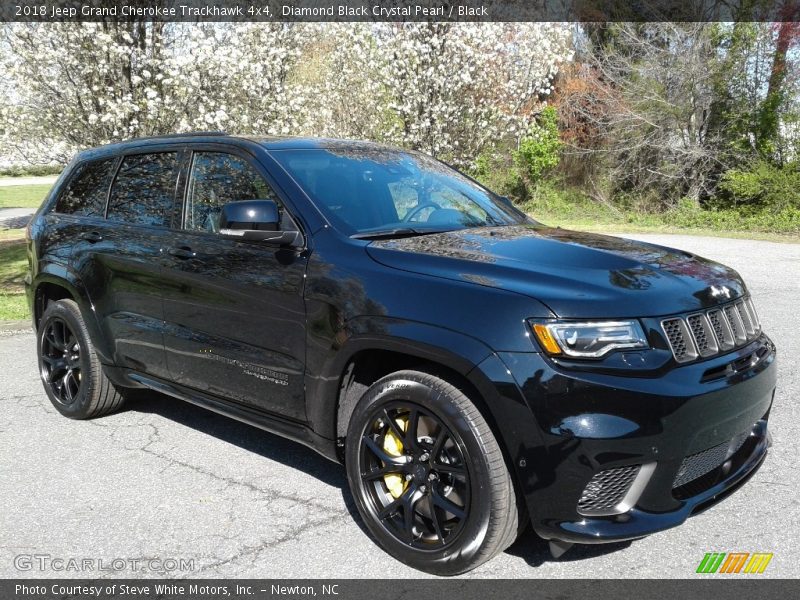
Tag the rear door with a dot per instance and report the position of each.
(234, 310)
(80, 206)
(120, 258)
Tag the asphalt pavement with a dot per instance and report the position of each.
(167, 489)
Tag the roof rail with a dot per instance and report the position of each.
(193, 133)
(179, 135)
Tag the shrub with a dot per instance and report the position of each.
(497, 171)
(31, 171)
(763, 186)
(539, 151)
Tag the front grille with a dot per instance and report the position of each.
(697, 465)
(708, 333)
(606, 490)
(704, 337)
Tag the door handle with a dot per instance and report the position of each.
(183, 252)
(92, 237)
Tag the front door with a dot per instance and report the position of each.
(234, 311)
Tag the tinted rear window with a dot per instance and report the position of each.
(86, 192)
(144, 190)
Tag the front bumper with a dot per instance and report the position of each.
(580, 423)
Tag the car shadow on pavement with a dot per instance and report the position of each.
(535, 551)
(247, 437)
(250, 438)
(530, 547)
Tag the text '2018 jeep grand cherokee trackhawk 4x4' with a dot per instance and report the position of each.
(473, 369)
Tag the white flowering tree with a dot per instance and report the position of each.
(456, 88)
(69, 86)
(443, 88)
(88, 84)
(342, 69)
(253, 77)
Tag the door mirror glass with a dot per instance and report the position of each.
(255, 220)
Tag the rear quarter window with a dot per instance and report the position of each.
(144, 189)
(86, 192)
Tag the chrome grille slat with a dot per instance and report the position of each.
(735, 321)
(711, 332)
(680, 339)
(744, 315)
(721, 329)
(704, 338)
(753, 315)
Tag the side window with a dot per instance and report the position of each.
(86, 192)
(144, 190)
(217, 178)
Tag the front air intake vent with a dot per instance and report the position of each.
(606, 490)
(709, 333)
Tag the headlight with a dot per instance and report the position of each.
(589, 339)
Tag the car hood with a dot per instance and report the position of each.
(575, 274)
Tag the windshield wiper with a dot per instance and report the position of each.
(397, 232)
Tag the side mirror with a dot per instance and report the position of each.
(256, 220)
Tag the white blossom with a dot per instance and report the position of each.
(448, 89)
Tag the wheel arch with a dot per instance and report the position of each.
(55, 282)
(364, 358)
(474, 369)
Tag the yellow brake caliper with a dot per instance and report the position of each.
(393, 446)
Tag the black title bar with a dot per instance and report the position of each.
(399, 10)
(397, 589)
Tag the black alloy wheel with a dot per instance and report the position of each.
(428, 475)
(71, 372)
(61, 361)
(416, 476)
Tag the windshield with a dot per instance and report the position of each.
(364, 190)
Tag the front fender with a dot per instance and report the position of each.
(451, 349)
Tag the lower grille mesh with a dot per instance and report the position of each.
(606, 490)
(699, 464)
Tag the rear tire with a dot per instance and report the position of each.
(428, 475)
(72, 375)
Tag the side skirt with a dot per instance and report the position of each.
(292, 430)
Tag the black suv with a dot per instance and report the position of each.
(475, 370)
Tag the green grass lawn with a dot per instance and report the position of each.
(13, 264)
(23, 196)
(622, 226)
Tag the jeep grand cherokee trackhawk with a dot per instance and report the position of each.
(474, 370)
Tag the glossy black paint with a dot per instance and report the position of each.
(265, 333)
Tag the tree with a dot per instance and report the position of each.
(74, 85)
(454, 89)
(650, 99)
(85, 84)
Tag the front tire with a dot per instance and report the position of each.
(428, 475)
(72, 375)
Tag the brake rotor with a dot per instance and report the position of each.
(393, 446)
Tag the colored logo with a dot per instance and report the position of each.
(734, 562)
